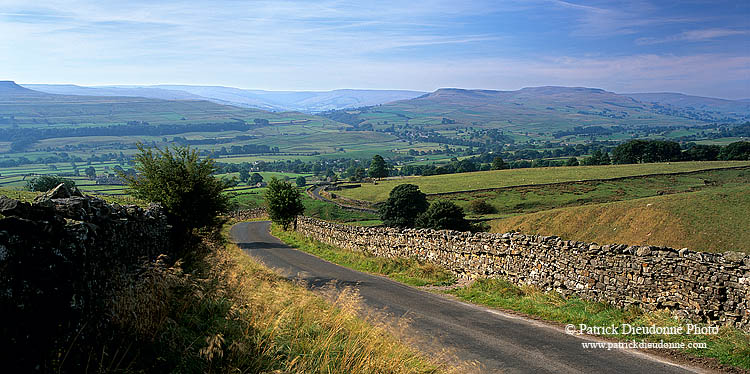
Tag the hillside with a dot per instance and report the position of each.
(516, 177)
(712, 220)
(305, 101)
(697, 103)
(533, 109)
(22, 106)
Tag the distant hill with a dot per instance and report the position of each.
(22, 106)
(305, 101)
(708, 104)
(10, 88)
(533, 109)
(148, 92)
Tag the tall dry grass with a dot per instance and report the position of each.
(234, 315)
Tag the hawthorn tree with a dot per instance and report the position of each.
(443, 215)
(284, 202)
(184, 184)
(405, 203)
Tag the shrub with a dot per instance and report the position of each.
(47, 182)
(184, 185)
(300, 181)
(284, 202)
(404, 204)
(443, 215)
(481, 206)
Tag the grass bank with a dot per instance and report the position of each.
(712, 220)
(235, 315)
(728, 347)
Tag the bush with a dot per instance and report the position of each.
(481, 206)
(300, 181)
(284, 202)
(184, 185)
(404, 204)
(443, 215)
(45, 183)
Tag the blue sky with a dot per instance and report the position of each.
(694, 47)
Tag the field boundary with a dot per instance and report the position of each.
(698, 286)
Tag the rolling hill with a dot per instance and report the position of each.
(735, 108)
(29, 108)
(534, 109)
(304, 101)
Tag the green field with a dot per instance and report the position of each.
(521, 200)
(515, 177)
(713, 220)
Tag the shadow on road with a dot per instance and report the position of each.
(258, 245)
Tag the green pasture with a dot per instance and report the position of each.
(379, 191)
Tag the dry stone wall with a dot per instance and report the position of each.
(247, 214)
(61, 259)
(707, 287)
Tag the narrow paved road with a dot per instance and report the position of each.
(502, 343)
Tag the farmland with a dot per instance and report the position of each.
(515, 177)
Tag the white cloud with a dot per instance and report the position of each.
(693, 36)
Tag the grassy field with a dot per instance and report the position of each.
(713, 220)
(521, 200)
(505, 178)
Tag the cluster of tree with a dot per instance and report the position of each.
(589, 130)
(407, 207)
(640, 151)
(242, 150)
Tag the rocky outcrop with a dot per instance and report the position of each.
(708, 287)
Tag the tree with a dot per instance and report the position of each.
(498, 163)
(701, 152)
(47, 182)
(358, 175)
(736, 151)
(300, 181)
(572, 162)
(184, 184)
(404, 204)
(378, 168)
(255, 179)
(244, 170)
(284, 202)
(443, 215)
(90, 172)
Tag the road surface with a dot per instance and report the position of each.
(500, 342)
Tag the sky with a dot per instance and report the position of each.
(689, 46)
